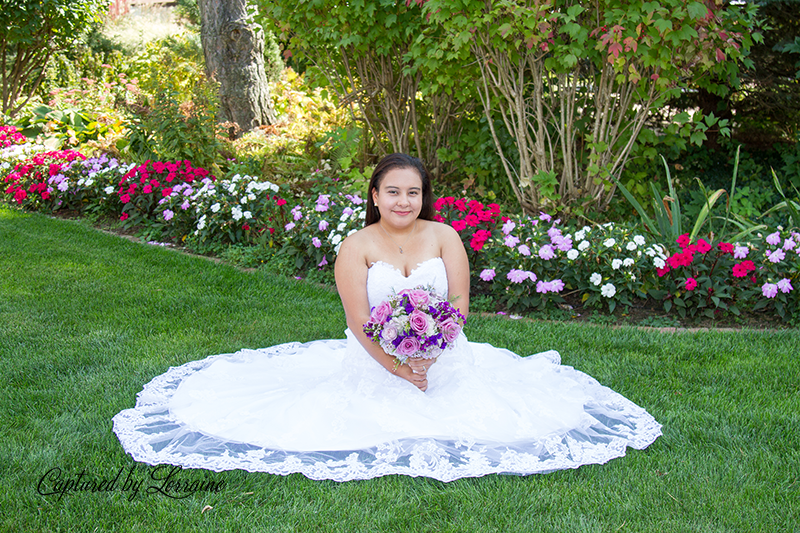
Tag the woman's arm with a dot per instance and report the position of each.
(457, 266)
(351, 281)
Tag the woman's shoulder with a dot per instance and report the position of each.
(443, 232)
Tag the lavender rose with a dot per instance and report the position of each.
(418, 321)
(381, 312)
(418, 297)
(450, 330)
(408, 347)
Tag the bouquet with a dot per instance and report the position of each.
(414, 323)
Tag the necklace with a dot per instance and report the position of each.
(395, 242)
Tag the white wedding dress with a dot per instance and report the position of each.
(328, 410)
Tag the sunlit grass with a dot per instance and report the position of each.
(87, 318)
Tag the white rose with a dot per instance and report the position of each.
(583, 245)
(573, 254)
(608, 243)
(627, 262)
(608, 290)
(216, 207)
(638, 239)
(631, 246)
(596, 279)
(616, 263)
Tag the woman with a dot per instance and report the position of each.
(345, 410)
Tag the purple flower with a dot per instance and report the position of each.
(511, 241)
(774, 238)
(789, 244)
(323, 225)
(524, 250)
(556, 285)
(316, 242)
(517, 276)
(508, 227)
(545, 217)
(450, 330)
(543, 286)
(289, 226)
(740, 252)
(381, 313)
(553, 232)
(168, 214)
(323, 262)
(546, 252)
(777, 256)
(785, 285)
(296, 213)
(488, 274)
(769, 290)
(347, 211)
(185, 205)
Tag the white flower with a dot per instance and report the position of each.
(650, 252)
(638, 239)
(247, 215)
(631, 246)
(89, 182)
(236, 213)
(251, 197)
(608, 290)
(341, 226)
(583, 245)
(616, 263)
(351, 232)
(658, 262)
(243, 200)
(573, 254)
(608, 243)
(109, 189)
(596, 279)
(201, 223)
(216, 207)
(627, 262)
(580, 235)
(362, 215)
(633, 277)
(336, 239)
(232, 188)
(274, 187)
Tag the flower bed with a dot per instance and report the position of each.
(518, 262)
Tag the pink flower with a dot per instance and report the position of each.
(546, 252)
(517, 276)
(389, 333)
(524, 250)
(777, 256)
(450, 330)
(124, 216)
(508, 227)
(556, 285)
(458, 225)
(125, 198)
(323, 225)
(542, 286)
(487, 274)
(418, 321)
(740, 252)
(289, 226)
(684, 240)
(702, 246)
(418, 297)
(408, 347)
(147, 189)
(168, 214)
(545, 217)
(774, 238)
(785, 285)
(316, 242)
(323, 262)
(769, 290)
(789, 244)
(725, 247)
(691, 284)
(511, 241)
(381, 312)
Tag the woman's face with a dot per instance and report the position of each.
(399, 197)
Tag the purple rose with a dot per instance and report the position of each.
(408, 347)
(418, 297)
(381, 313)
(418, 321)
(450, 330)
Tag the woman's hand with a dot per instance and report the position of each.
(419, 380)
(419, 365)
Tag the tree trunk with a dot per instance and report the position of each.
(233, 46)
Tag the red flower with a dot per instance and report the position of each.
(125, 198)
(271, 230)
(246, 227)
(683, 241)
(748, 265)
(166, 192)
(702, 246)
(725, 247)
(472, 220)
(124, 216)
(438, 204)
(474, 206)
(691, 284)
(662, 271)
(280, 201)
(458, 225)
(438, 218)
(460, 205)
(147, 189)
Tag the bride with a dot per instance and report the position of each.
(344, 409)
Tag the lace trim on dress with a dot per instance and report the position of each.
(152, 435)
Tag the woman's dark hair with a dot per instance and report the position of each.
(399, 161)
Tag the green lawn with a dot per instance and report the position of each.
(86, 318)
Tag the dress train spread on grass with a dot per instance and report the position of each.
(326, 409)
